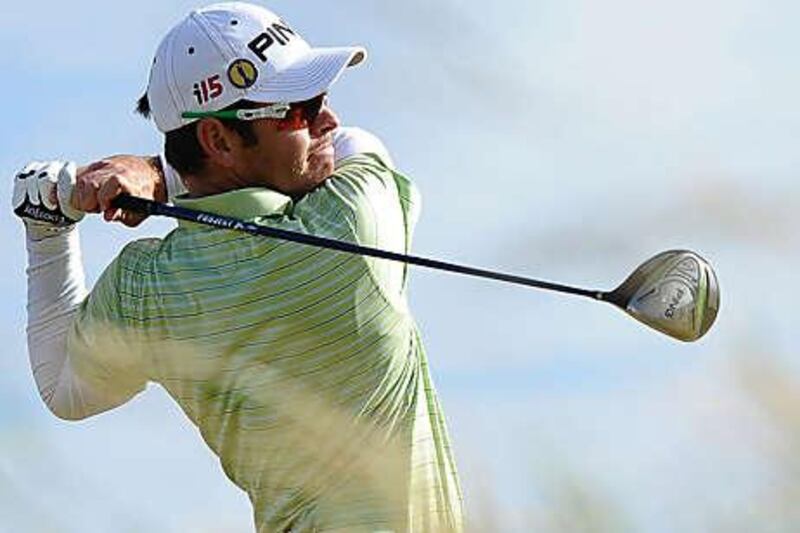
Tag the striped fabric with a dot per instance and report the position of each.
(302, 367)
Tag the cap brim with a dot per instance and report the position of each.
(307, 77)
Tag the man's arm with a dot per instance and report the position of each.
(56, 291)
(151, 177)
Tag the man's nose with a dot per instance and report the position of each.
(325, 122)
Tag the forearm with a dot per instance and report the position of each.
(74, 374)
(56, 288)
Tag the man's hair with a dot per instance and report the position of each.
(181, 147)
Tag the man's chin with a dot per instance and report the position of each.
(320, 166)
(318, 170)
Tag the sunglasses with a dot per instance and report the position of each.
(294, 116)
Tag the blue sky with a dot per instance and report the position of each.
(568, 140)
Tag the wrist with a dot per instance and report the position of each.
(40, 231)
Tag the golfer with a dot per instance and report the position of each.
(301, 367)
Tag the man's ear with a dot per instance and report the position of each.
(218, 142)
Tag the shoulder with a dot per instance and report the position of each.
(128, 269)
(361, 185)
(110, 297)
(139, 252)
(362, 163)
(366, 178)
(363, 159)
(362, 172)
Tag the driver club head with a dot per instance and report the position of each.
(676, 292)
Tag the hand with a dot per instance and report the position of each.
(100, 182)
(41, 197)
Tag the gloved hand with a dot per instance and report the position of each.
(42, 198)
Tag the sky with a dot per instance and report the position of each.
(568, 140)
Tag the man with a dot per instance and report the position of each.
(302, 367)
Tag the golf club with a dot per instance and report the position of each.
(675, 292)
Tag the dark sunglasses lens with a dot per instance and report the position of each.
(311, 108)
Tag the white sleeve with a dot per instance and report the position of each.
(173, 180)
(348, 141)
(56, 288)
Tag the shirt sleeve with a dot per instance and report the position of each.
(368, 203)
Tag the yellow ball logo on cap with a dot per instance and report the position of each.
(242, 73)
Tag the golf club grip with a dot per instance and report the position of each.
(149, 207)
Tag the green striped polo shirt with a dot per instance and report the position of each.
(302, 367)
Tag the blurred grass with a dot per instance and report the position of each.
(773, 387)
(560, 497)
(568, 502)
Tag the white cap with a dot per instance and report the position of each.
(228, 52)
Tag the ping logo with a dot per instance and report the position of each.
(208, 89)
(279, 33)
(242, 73)
(673, 304)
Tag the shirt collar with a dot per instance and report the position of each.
(244, 204)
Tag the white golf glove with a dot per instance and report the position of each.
(42, 193)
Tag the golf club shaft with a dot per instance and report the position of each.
(149, 207)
